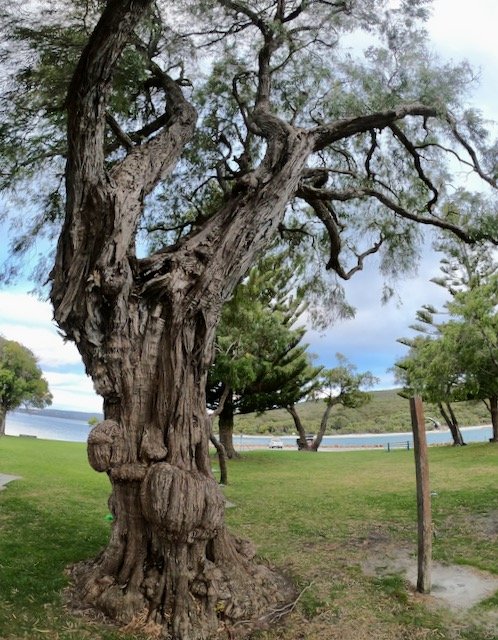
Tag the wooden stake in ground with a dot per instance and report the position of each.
(423, 496)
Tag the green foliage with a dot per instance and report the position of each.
(315, 78)
(457, 359)
(21, 380)
(342, 384)
(474, 334)
(259, 357)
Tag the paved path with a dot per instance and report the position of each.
(5, 478)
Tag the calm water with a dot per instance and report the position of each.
(46, 427)
(51, 428)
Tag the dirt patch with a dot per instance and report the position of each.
(458, 587)
(5, 479)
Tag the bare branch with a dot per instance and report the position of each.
(308, 192)
(150, 162)
(122, 137)
(491, 181)
(256, 20)
(221, 403)
(325, 135)
(371, 151)
(412, 150)
(326, 214)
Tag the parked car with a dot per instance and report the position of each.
(276, 444)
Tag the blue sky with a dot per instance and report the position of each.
(459, 30)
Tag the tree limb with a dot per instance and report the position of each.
(398, 133)
(327, 216)
(325, 135)
(453, 125)
(362, 192)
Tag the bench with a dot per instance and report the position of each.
(397, 445)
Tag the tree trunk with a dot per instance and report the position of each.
(225, 426)
(493, 405)
(452, 422)
(3, 415)
(145, 329)
(170, 562)
(222, 459)
(323, 426)
(302, 443)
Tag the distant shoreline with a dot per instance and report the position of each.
(365, 434)
(86, 416)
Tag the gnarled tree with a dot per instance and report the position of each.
(276, 129)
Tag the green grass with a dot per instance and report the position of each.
(315, 516)
(387, 412)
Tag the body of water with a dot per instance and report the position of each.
(74, 430)
(46, 427)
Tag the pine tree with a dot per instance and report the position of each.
(259, 359)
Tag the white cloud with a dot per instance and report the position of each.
(73, 392)
(465, 30)
(461, 31)
(27, 320)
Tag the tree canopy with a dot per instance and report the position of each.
(381, 123)
(21, 380)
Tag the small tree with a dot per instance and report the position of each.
(430, 370)
(457, 359)
(340, 385)
(21, 380)
(475, 332)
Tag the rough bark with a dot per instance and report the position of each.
(225, 426)
(170, 560)
(493, 406)
(452, 423)
(145, 330)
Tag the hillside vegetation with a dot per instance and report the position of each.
(387, 412)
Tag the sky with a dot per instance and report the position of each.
(459, 30)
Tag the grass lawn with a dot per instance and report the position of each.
(315, 516)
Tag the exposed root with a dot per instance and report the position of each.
(275, 615)
(227, 601)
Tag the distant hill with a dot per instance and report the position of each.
(387, 412)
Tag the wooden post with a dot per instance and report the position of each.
(423, 496)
